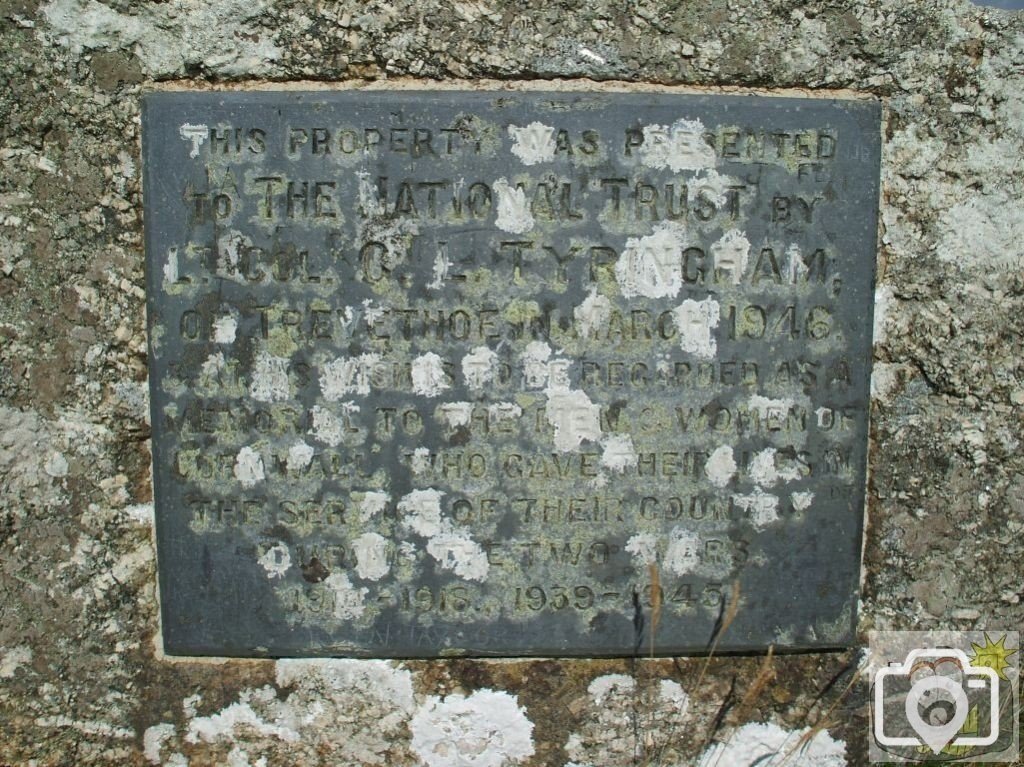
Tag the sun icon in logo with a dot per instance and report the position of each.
(992, 655)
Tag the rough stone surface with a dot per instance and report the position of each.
(83, 680)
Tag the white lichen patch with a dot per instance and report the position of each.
(270, 378)
(603, 687)
(189, 705)
(761, 508)
(558, 373)
(574, 417)
(673, 694)
(825, 417)
(300, 455)
(592, 314)
(680, 146)
(348, 375)
(422, 511)
(13, 659)
(56, 465)
(533, 143)
(730, 254)
(768, 745)
(664, 364)
(26, 447)
(213, 365)
(455, 414)
(652, 266)
(479, 367)
(373, 313)
(618, 708)
(499, 412)
(801, 500)
(428, 376)
(239, 758)
(371, 553)
(764, 470)
(458, 552)
(441, 267)
(195, 135)
(326, 678)
(326, 427)
(769, 409)
(370, 202)
(248, 467)
(885, 300)
(451, 547)
(695, 321)
(153, 739)
(714, 186)
(276, 560)
(372, 503)
(534, 360)
(140, 514)
(224, 329)
(223, 36)
(419, 461)
(885, 380)
(407, 551)
(171, 267)
(89, 727)
(242, 714)
(345, 317)
(644, 548)
(992, 223)
(619, 454)
(720, 466)
(486, 729)
(797, 269)
(393, 239)
(682, 553)
(514, 214)
(349, 601)
(317, 714)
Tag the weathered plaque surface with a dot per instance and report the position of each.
(508, 373)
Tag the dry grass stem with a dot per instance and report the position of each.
(727, 618)
(655, 602)
(765, 675)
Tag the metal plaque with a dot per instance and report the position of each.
(508, 373)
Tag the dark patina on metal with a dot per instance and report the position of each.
(508, 373)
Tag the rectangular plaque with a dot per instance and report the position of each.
(508, 373)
